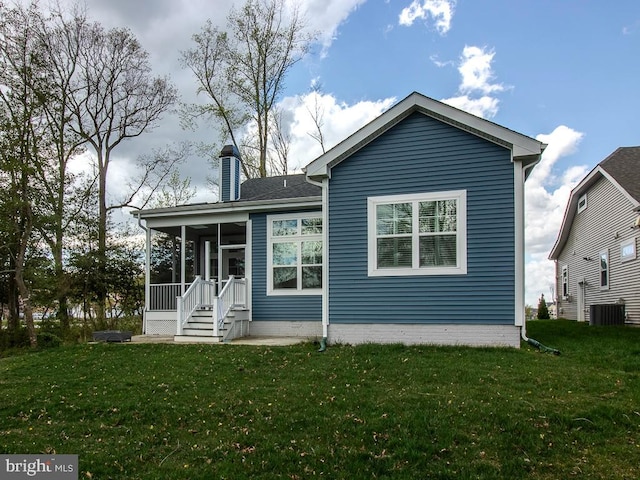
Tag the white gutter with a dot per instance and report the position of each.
(324, 185)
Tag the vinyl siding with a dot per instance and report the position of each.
(604, 224)
(275, 308)
(225, 174)
(421, 155)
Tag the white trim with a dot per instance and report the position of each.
(522, 146)
(627, 256)
(298, 238)
(572, 205)
(564, 282)
(604, 253)
(519, 269)
(183, 258)
(461, 234)
(248, 265)
(582, 206)
(325, 258)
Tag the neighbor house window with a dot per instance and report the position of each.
(582, 203)
(419, 234)
(294, 255)
(628, 250)
(564, 278)
(604, 270)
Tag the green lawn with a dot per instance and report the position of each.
(227, 411)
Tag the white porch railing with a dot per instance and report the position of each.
(201, 293)
(233, 294)
(162, 296)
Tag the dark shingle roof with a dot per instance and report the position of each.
(276, 188)
(624, 166)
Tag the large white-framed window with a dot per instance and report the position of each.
(604, 269)
(628, 250)
(418, 234)
(294, 254)
(564, 280)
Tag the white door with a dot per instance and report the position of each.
(231, 262)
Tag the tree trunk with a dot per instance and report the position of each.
(25, 294)
(101, 293)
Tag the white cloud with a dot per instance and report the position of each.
(439, 63)
(477, 77)
(546, 196)
(326, 16)
(485, 106)
(339, 120)
(476, 71)
(440, 10)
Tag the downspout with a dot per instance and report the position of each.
(325, 259)
(523, 327)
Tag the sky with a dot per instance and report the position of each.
(563, 71)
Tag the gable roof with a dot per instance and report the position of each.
(622, 169)
(275, 188)
(524, 149)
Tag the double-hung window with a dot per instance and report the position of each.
(294, 254)
(418, 234)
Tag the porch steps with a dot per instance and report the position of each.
(199, 329)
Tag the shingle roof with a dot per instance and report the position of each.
(276, 188)
(622, 169)
(624, 166)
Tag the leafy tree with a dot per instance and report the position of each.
(23, 92)
(115, 98)
(242, 73)
(543, 311)
(64, 195)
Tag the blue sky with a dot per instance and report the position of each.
(563, 71)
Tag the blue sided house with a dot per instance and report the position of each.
(409, 231)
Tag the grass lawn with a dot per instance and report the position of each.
(224, 411)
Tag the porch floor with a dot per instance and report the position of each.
(267, 341)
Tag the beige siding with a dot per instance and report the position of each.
(604, 224)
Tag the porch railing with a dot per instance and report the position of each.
(162, 296)
(233, 294)
(201, 293)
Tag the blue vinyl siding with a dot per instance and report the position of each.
(419, 155)
(225, 184)
(294, 307)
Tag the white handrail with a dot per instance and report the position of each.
(233, 294)
(200, 293)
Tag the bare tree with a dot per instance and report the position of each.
(317, 115)
(281, 141)
(65, 195)
(176, 191)
(242, 72)
(115, 98)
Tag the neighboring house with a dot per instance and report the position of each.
(595, 253)
(410, 230)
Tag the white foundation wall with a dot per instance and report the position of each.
(160, 323)
(275, 328)
(444, 334)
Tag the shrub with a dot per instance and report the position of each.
(48, 340)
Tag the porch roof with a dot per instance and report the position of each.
(224, 208)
